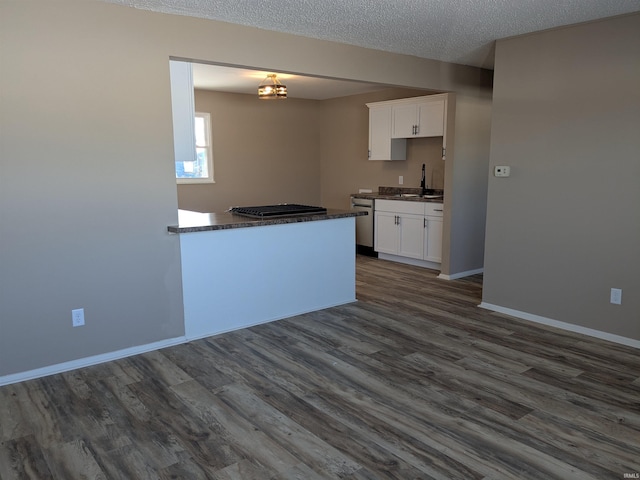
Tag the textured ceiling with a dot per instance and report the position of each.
(458, 31)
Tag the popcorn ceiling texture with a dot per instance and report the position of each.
(458, 31)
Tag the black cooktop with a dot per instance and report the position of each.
(280, 210)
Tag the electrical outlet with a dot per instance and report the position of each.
(501, 171)
(400, 180)
(77, 317)
(616, 296)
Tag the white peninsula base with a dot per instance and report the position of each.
(239, 277)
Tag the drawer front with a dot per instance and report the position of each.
(399, 206)
(434, 209)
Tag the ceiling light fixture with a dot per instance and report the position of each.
(272, 88)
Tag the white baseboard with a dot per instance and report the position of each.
(409, 261)
(455, 276)
(128, 352)
(630, 342)
(88, 361)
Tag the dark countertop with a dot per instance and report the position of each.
(201, 222)
(378, 196)
(410, 194)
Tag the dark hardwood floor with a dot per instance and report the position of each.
(413, 381)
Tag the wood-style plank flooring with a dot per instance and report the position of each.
(413, 381)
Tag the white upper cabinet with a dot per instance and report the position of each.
(381, 145)
(392, 122)
(418, 118)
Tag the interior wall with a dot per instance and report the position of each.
(564, 228)
(87, 183)
(466, 182)
(264, 152)
(86, 191)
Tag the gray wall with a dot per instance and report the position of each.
(465, 182)
(565, 227)
(86, 188)
(264, 152)
(86, 163)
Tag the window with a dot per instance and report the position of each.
(200, 169)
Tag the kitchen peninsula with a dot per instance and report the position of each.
(239, 271)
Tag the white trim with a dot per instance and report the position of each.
(88, 361)
(455, 276)
(630, 342)
(409, 261)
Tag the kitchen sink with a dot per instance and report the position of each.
(409, 195)
(416, 195)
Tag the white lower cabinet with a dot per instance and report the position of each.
(381, 145)
(409, 229)
(387, 235)
(411, 235)
(433, 239)
(399, 234)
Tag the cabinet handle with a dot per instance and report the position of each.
(424, 223)
(417, 129)
(437, 209)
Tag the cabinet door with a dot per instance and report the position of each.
(411, 243)
(381, 145)
(431, 119)
(405, 120)
(433, 239)
(379, 138)
(386, 233)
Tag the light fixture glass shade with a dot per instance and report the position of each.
(272, 88)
